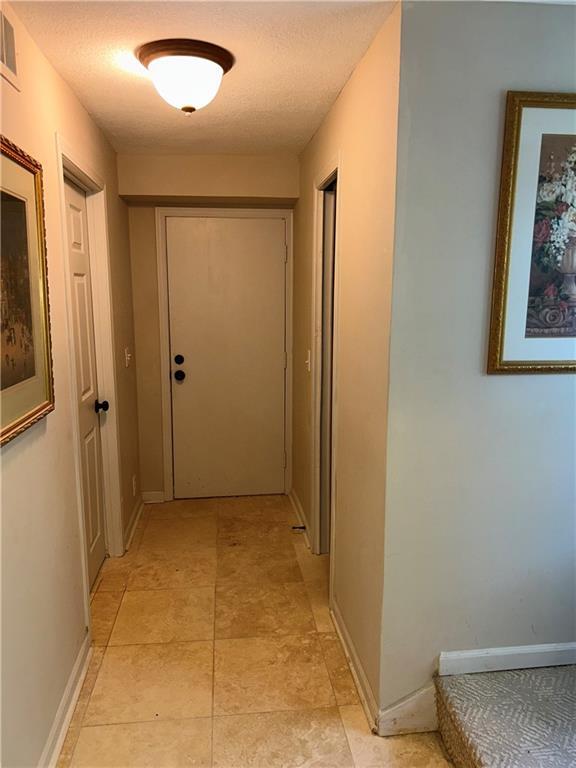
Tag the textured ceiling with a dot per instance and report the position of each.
(292, 59)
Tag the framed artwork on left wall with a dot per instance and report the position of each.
(26, 378)
(533, 322)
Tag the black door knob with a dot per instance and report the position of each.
(179, 375)
(178, 359)
(101, 406)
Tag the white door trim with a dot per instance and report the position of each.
(330, 170)
(267, 213)
(73, 165)
(513, 657)
(163, 314)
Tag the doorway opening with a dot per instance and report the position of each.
(328, 193)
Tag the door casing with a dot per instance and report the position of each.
(331, 170)
(329, 202)
(73, 166)
(161, 215)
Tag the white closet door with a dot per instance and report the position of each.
(86, 378)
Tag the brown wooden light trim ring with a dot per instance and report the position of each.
(516, 101)
(183, 47)
(18, 155)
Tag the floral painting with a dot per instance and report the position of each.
(533, 307)
(552, 290)
(26, 381)
(17, 343)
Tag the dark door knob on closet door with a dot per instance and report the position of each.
(178, 359)
(179, 375)
(101, 406)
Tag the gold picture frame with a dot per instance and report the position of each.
(533, 324)
(26, 375)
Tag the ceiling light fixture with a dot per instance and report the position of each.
(186, 73)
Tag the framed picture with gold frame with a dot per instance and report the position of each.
(26, 379)
(533, 319)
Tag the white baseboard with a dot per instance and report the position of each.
(65, 710)
(153, 497)
(364, 689)
(414, 714)
(136, 512)
(514, 657)
(297, 506)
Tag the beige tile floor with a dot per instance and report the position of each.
(213, 647)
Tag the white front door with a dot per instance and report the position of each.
(86, 378)
(227, 299)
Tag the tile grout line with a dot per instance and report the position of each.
(105, 647)
(213, 719)
(212, 722)
(337, 706)
(120, 604)
(76, 729)
(318, 640)
(269, 636)
(347, 738)
(144, 520)
(96, 676)
(251, 713)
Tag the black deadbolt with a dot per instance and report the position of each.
(179, 375)
(101, 406)
(179, 359)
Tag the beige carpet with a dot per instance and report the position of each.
(515, 719)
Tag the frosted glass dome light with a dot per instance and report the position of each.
(186, 81)
(186, 73)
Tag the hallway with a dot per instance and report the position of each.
(213, 646)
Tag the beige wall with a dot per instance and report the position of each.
(209, 176)
(43, 623)
(147, 330)
(361, 130)
(481, 501)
